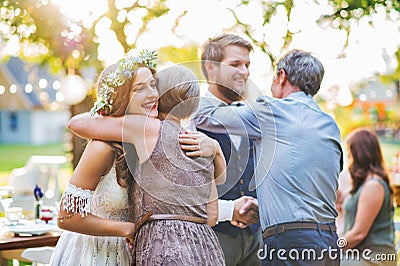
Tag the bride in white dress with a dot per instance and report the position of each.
(95, 205)
(97, 219)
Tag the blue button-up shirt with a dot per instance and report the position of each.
(298, 155)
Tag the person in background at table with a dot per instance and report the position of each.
(368, 211)
(174, 187)
(225, 64)
(298, 161)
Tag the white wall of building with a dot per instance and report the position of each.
(48, 127)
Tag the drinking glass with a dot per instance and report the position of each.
(6, 194)
(13, 215)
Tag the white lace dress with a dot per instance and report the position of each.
(109, 200)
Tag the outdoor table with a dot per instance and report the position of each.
(22, 242)
(12, 245)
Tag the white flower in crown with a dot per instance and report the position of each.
(148, 58)
(114, 79)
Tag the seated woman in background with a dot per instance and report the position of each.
(368, 210)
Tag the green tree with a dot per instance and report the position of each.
(45, 35)
(342, 12)
(187, 56)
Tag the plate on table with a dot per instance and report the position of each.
(31, 229)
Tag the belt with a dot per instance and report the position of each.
(188, 218)
(280, 228)
(143, 220)
(149, 216)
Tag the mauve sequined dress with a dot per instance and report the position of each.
(169, 182)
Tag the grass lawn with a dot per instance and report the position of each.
(15, 156)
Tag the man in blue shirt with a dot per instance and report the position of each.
(225, 63)
(298, 161)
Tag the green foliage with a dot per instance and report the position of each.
(342, 12)
(355, 9)
(42, 24)
(176, 54)
(389, 149)
(186, 55)
(66, 44)
(157, 9)
(347, 120)
(269, 10)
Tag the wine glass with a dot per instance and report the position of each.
(6, 194)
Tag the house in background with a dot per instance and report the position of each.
(375, 94)
(380, 103)
(30, 111)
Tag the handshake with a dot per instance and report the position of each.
(245, 212)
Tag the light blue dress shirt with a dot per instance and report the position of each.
(298, 155)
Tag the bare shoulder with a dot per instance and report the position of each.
(98, 152)
(95, 161)
(374, 179)
(373, 186)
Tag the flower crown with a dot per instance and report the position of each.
(118, 77)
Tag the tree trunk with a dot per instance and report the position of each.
(78, 144)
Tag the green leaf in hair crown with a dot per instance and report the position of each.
(100, 104)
